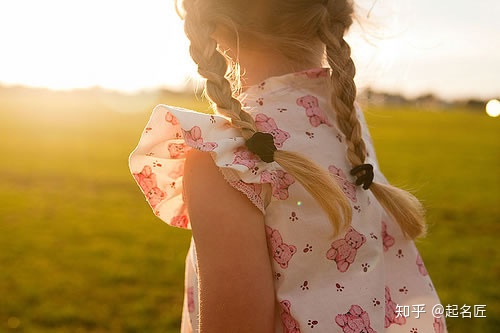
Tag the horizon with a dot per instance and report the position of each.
(186, 91)
(447, 49)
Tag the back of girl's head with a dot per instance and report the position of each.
(300, 30)
(290, 26)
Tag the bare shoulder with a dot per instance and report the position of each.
(215, 208)
(206, 190)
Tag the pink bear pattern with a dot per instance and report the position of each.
(280, 181)
(347, 187)
(194, 139)
(245, 157)
(438, 325)
(343, 251)
(178, 150)
(315, 73)
(387, 240)
(190, 299)
(176, 171)
(316, 115)
(170, 118)
(147, 182)
(391, 315)
(180, 221)
(268, 125)
(421, 266)
(290, 325)
(356, 320)
(282, 253)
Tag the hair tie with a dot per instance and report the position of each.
(366, 177)
(262, 144)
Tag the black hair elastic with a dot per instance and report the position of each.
(262, 144)
(366, 177)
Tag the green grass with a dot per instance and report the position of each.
(80, 250)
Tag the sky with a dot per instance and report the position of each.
(449, 48)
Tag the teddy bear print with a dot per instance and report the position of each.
(245, 157)
(280, 182)
(178, 150)
(290, 325)
(439, 325)
(268, 125)
(387, 239)
(343, 251)
(316, 115)
(147, 182)
(180, 221)
(356, 320)
(421, 266)
(190, 299)
(194, 139)
(347, 187)
(176, 170)
(391, 316)
(315, 73)
(282, 253)
(170, 118)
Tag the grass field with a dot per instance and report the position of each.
(80, 250)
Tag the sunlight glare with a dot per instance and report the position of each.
(493, 108)
(124, 45)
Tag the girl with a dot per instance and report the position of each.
(294, 227)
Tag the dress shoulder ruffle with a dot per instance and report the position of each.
(157, 163)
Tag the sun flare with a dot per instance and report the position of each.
(493, 108)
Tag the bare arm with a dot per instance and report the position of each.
(235, 275)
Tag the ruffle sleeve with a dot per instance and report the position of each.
(157, 163)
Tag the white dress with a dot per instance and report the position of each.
(370, 279)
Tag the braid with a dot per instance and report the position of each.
(405, 208)
(212, 65)
(342, 78)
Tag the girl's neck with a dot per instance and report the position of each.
(257, 65)
(259, 61)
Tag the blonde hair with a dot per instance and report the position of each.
(292, 27)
